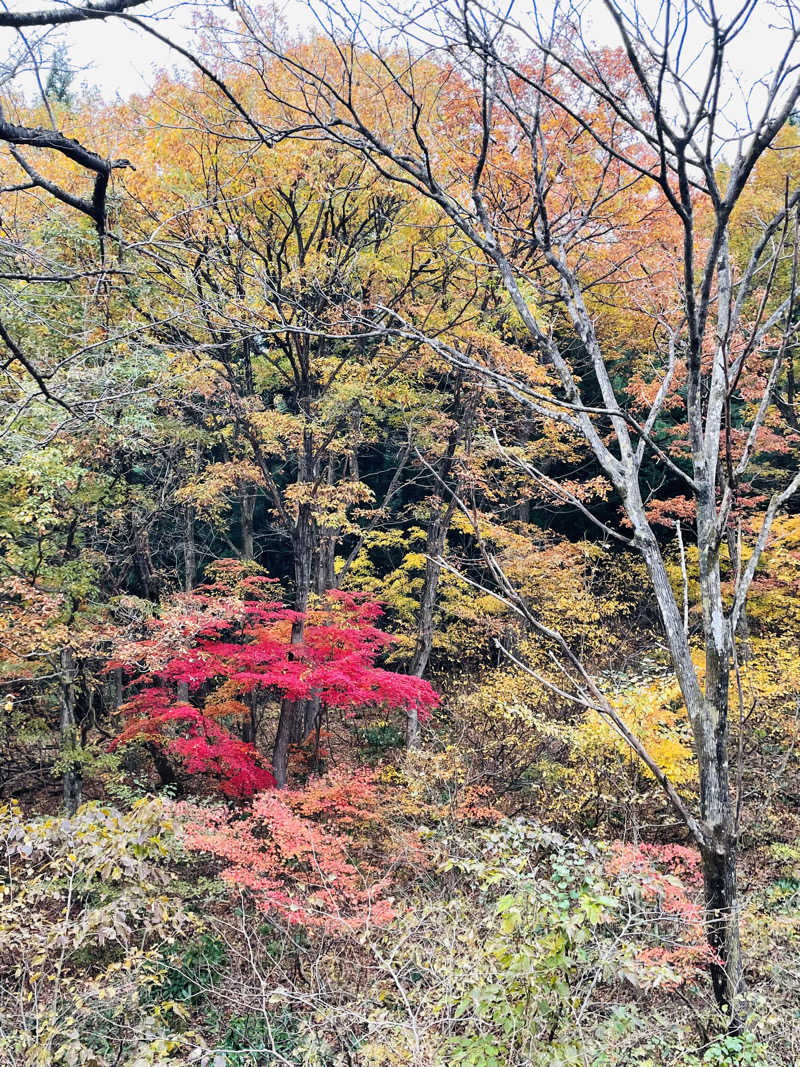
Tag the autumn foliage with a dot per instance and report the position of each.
(300, 853)
(667, 882)
(230, 641)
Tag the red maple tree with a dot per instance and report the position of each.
(230, 639)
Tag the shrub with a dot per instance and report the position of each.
(85, 916)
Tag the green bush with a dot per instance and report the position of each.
(257, 1039)
(191, 970)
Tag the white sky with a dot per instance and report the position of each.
(109, 55)
(119, 59)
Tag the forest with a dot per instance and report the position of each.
(400, 536)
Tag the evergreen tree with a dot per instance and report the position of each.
(60, 77)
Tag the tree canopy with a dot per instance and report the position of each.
(399, 540)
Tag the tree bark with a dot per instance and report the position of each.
(248, 505)
(189, 550)
(312, 713)
(708, 715)
(434, 546)
(72, 776)
(291, 722)
(249, 730)
(722, 929)
(144, 560)
(325, 569)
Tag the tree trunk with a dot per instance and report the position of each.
(250, 720)
(144, 561)
(325, 569)
(722, 930)
(116, 699)
(248, 506)
(733, 538)
(712, 740)
(311, 715)
(719, 856)
(189, 550)
(708, 715)
(72, 777)
(163, 767)
(291, 723)
(434, 546)
(324, 578)
(324, 561)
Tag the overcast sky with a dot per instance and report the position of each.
(116, 58)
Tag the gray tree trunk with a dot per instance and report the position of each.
(248, 504)
(435, 539)
(72, 775)
(291, 723)
(189, 550)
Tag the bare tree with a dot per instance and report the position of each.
(659, 118)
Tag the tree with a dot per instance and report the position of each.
(48, 143)
(60, 77)
(297, 853)
(54, 620)
(276, 263)
(225, 648)
(555, 150)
